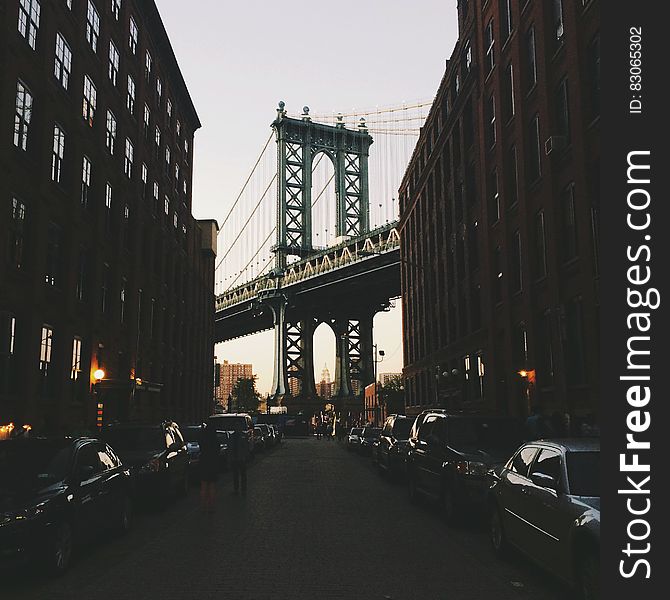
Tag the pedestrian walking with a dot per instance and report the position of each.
(239, 452)
(209, 465)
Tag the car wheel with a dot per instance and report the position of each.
(59, 555)
(496, 532)
(588, 574)
(125, 521)
(449, 506)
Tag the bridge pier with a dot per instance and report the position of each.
(277, 303)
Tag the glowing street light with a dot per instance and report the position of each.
(98, 374)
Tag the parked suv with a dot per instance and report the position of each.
(236, 422)
(156, 454)
(450, 455)
(391, 456)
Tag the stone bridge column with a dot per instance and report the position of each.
(342, 388)
(277, 304)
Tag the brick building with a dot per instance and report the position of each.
(499, 216)
(229, 374)
(102, 265)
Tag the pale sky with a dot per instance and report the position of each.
(240, 58)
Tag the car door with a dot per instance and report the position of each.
(112, 482)
(422, 450)
(544, 508)
(436, 456)
(385, 441)
(512, 490)
(89, 493)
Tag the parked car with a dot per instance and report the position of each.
(224, 446)
(368, 437)
(236, 422)
(391, 455)
(545, 501)
(354, 438)
(55, 493)
(260, 441)
(191, 435)
(276, 433)
(449, 456)
(156, 454)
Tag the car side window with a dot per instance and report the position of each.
(177, 435)
(388, 427)
(548, 463)
(169, 437)
(426, 428)
(522, 460)
(106, 461)
(87, 461)
(113, 456)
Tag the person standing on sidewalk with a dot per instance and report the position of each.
(209, 466)
(239, 458)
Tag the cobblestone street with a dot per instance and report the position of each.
(317, 522)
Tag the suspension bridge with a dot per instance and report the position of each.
(311, 238)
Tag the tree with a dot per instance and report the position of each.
(393, 395)
(245, 395)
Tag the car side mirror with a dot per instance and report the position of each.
(545, 481)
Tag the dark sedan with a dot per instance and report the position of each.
(369, 436)
(546, 502)
(55, 493)
(156, 455)
(391, 455)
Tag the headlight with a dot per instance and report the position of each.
(468, 467)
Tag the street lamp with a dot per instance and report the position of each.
(375, 360)
(98, 375)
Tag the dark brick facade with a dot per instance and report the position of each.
(129, 275)
(499, 239)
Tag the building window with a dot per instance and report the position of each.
(82, 272)
(92, 26)
(557, 14)
(520, 347)
(85, 181)
(53, 262)
(63, 61)
(159, 90)
(178, 127)
(156, 197)
(531, 63)
(575, 354)
(113, 63)
(22, 115)
(17, 233)
(513, 177)
(148, 62)
(517, 269)
(128, 159)
(57, 154)
(540, 245)
(130, 98)
(46, 343)
(491, 122)
(494, 198)
(104, 289)
(29, 20)
(473, 246)
(534, 157)
(508, 93)
(145, 179)
(489, 43)
(122, 301)
(7, 349)
(186, 150)
(185, 186)
(174, 220)
(116, 8)
(90, 101)
(545, 350)
(594, 77)
(467, 54)
(168, 108)
(147, 121)
(108, 206)
(167, 160)
(506, 24)
(176, 174)
(133, 36)
(569, 223)
(166, 204)
(110, 132)
(563, 111)
(157, 137)
(498, 274)
(75, 370)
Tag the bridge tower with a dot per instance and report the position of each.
(299, 141)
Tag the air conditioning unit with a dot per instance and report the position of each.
(555, 143)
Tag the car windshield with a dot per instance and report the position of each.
(372, 432)
(401, 428)
(484, 434)
(230, 422)
(191, 434)
(584, 473)
(356, 431)
(135, 438)
(34, 464)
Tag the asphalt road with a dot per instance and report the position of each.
(317, 522)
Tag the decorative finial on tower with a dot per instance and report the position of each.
(362, 127)
(280, 111)
(305, 113)
(340, 121)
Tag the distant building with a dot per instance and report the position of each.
(385, 378)
(229, 374)
(324, 388)
(293, 382)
